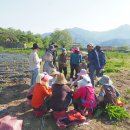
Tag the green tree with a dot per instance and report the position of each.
(62, 38)
(46, 41)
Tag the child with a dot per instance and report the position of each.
(108, 93)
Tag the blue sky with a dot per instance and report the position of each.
(40, 16)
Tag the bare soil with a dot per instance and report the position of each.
(13, 100)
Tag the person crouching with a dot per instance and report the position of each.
(61, 96)
(41, 93)
(84, 98)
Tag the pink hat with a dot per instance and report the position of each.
(43, 77)
(77, 49)
(82, 72)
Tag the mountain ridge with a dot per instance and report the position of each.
(115, 37)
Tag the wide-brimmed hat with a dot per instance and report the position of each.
(83, 72)
(43, 77)
(60, 79)
(54, 72)
(35, 46)
(83, 83)
(105, 80)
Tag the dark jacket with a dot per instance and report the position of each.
(101, 59)
(97, 59)
(58, 101)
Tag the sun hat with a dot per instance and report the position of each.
(60, 79)
(54, 72)
(43, 77)
(105, 80)
(35, 46)
(77, 49)
(83, 83)
(83, 72)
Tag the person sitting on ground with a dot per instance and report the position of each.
(41, 93)
(54, 74)
(61, 94)
(108, 93)
(62, 61)
(81, 74)
(84, 98)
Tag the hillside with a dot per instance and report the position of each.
(115, 37)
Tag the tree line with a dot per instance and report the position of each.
(12, 38)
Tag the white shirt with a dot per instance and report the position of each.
(34, 60)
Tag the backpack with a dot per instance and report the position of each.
(110, 94)
(89, 100)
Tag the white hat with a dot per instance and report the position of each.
(40, 76)
(83, 83)
(83, 72)
(105, 80)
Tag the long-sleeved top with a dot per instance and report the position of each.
(97, 59)
(40, 92)
(75, 59)
(62, 60)
(101, 59)
(34, 60)
(87, 96)
(58, 99)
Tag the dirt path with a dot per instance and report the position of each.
(13, 99)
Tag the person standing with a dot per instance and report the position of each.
(91, 62)
(101, 61)
(48, 62)
(62, 61)
(96, 61)
(75, 60)
(53, 50)
(34, 63)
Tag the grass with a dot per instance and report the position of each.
(116, 61)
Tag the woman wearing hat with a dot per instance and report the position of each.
(108, 93)
(34, 62)
(41, 93)
(61, 94)
(75, 60)
(84, 98)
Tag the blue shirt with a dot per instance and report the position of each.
(75, 59)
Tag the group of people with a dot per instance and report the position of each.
(51, 90)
